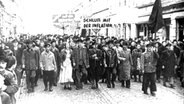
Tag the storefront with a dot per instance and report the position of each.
(173, 19)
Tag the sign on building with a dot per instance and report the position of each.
(96, 23)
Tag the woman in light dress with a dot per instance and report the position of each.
(66, 67)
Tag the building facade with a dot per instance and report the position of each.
(130, 17)
(10, 21)
(173, 14)
(122, 14)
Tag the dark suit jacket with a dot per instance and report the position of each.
(81, 57)
(30, 59)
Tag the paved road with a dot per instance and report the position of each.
(103, 95)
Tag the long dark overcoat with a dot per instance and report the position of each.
(169, 62)
(95, 63)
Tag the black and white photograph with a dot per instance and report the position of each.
(91, 51)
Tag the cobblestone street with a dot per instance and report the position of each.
(103, 95)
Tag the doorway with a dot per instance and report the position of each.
(180, 29)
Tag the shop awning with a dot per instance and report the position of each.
(143, 22)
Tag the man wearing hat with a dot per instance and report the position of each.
(169, 64)
(48, 66)
(36, 48)
(88, 46)
(148, 66)
(111, 64)
(30, 63)
(95, 61)
(18, 48)
(80, 63)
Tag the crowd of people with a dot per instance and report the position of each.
(75, 61)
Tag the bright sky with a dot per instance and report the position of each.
(37, 14)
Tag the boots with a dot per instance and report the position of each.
(50, 88)
(93, 84)
(153, 94)
(172, 86)
(128, 84)
(113, 85)
(122, 84)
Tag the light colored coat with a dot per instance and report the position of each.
(47, 61)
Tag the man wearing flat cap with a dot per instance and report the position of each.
(148, 66)
(30, 63)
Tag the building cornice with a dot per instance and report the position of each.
(179, 7)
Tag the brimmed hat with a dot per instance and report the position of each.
(87, 39)
(47, 44)
(29, 42)
(53, 41)
(149, 45)
(117, 42)
(125, 43)
(110, 42)
(168, 45)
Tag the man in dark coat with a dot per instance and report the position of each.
(30, 62)
(95, 61)
(57, 58)
(169, 63)
(111, 64)
(87, 45)
(17, 52)
(159, 48)
(104, 67)
(36, 48)
(80, 63)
